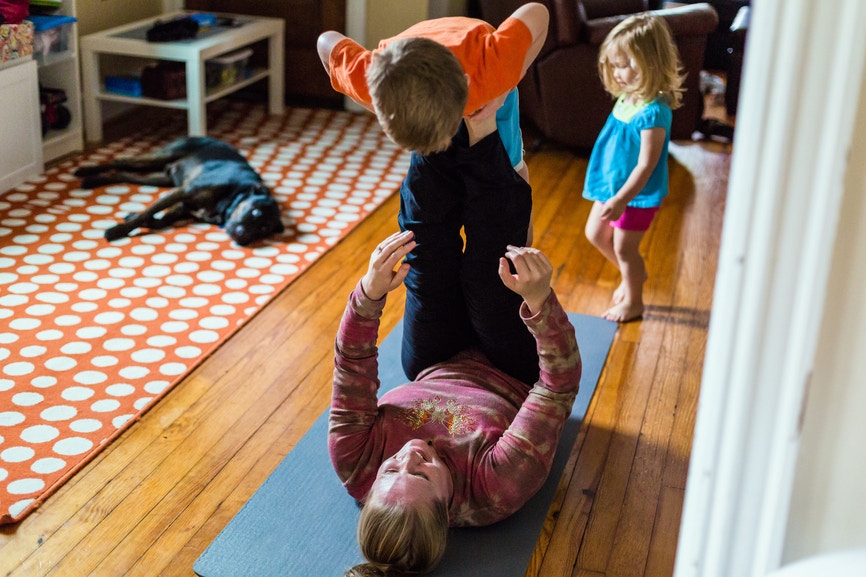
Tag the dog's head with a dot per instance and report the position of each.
(256, 217)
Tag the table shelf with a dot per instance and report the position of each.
(130, 41)
(181, 103)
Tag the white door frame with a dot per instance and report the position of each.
(804, 66)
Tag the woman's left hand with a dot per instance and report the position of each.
(532, 278)
(381, 277)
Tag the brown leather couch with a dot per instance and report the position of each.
(562, 94)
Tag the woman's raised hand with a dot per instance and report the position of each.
(532, 277)
(381, 277)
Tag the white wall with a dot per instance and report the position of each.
(828, 505)
(368, 21)
(97, 15)
(385, 18)
(440, 8)
(776, 472)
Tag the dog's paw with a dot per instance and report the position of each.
(116, 233)
(82, 171)
(91, 181)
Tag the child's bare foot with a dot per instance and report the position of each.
(624, 312)
(619, 294)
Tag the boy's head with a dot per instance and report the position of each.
(419, 91)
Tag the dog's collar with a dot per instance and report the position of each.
(235, 202)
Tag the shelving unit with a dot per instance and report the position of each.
(61, 70)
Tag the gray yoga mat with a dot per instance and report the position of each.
(301, 522)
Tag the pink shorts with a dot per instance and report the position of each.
(635, 218)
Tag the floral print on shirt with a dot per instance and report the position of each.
(455, 417)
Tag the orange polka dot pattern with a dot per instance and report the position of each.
(93, 333)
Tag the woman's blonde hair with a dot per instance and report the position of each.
(647, 42)
(397, 539)
(419, 91)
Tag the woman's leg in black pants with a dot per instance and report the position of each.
(497, 210)
(435, 322)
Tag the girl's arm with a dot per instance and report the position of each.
(652, 143)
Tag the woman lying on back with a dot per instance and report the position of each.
(464, 444)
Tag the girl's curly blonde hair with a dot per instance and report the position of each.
(647, 42)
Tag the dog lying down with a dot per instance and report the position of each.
(212, 183)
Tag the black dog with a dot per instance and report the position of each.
(212, 183)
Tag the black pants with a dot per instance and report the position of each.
(455, 298)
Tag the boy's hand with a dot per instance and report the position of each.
(532, 278)
(489, 109)
(381, 278)
(482, 122)
(479, 128)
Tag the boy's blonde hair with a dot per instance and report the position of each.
(648, 43)
(396, 538)
(419, 91)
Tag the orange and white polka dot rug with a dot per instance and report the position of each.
(93, 333)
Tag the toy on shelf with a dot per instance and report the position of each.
(55, 116)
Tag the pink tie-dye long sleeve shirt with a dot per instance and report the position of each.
(497, 435)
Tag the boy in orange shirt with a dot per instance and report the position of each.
(421, 82)
(446, 90)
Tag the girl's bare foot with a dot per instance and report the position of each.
(619, 294)
(624, 312)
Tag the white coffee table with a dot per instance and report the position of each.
(130, 40)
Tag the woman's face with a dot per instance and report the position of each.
(414, 472)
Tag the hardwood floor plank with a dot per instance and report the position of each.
(630, 410)
(635, 524)
(632, 543)
(662, 550)
(585, 573)
(569, 532)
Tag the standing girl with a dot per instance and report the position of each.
(627, 176)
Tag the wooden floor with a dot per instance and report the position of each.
(154, 500)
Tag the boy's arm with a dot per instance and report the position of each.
(536, 17)
(325, 45)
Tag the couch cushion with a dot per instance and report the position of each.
(604, 8)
